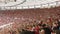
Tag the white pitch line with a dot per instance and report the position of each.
(2, 26)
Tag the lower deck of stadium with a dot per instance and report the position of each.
(30, 20)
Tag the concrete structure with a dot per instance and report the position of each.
(27, 4)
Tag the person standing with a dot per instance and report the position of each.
(46, 29)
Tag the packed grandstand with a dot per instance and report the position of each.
(30, 17)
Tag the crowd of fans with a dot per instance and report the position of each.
(34, 27)
(42, 28)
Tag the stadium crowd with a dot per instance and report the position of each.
(34, 27)
(42, 27)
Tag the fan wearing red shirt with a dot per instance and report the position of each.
(37, 29)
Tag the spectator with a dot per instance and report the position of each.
(46, 29)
